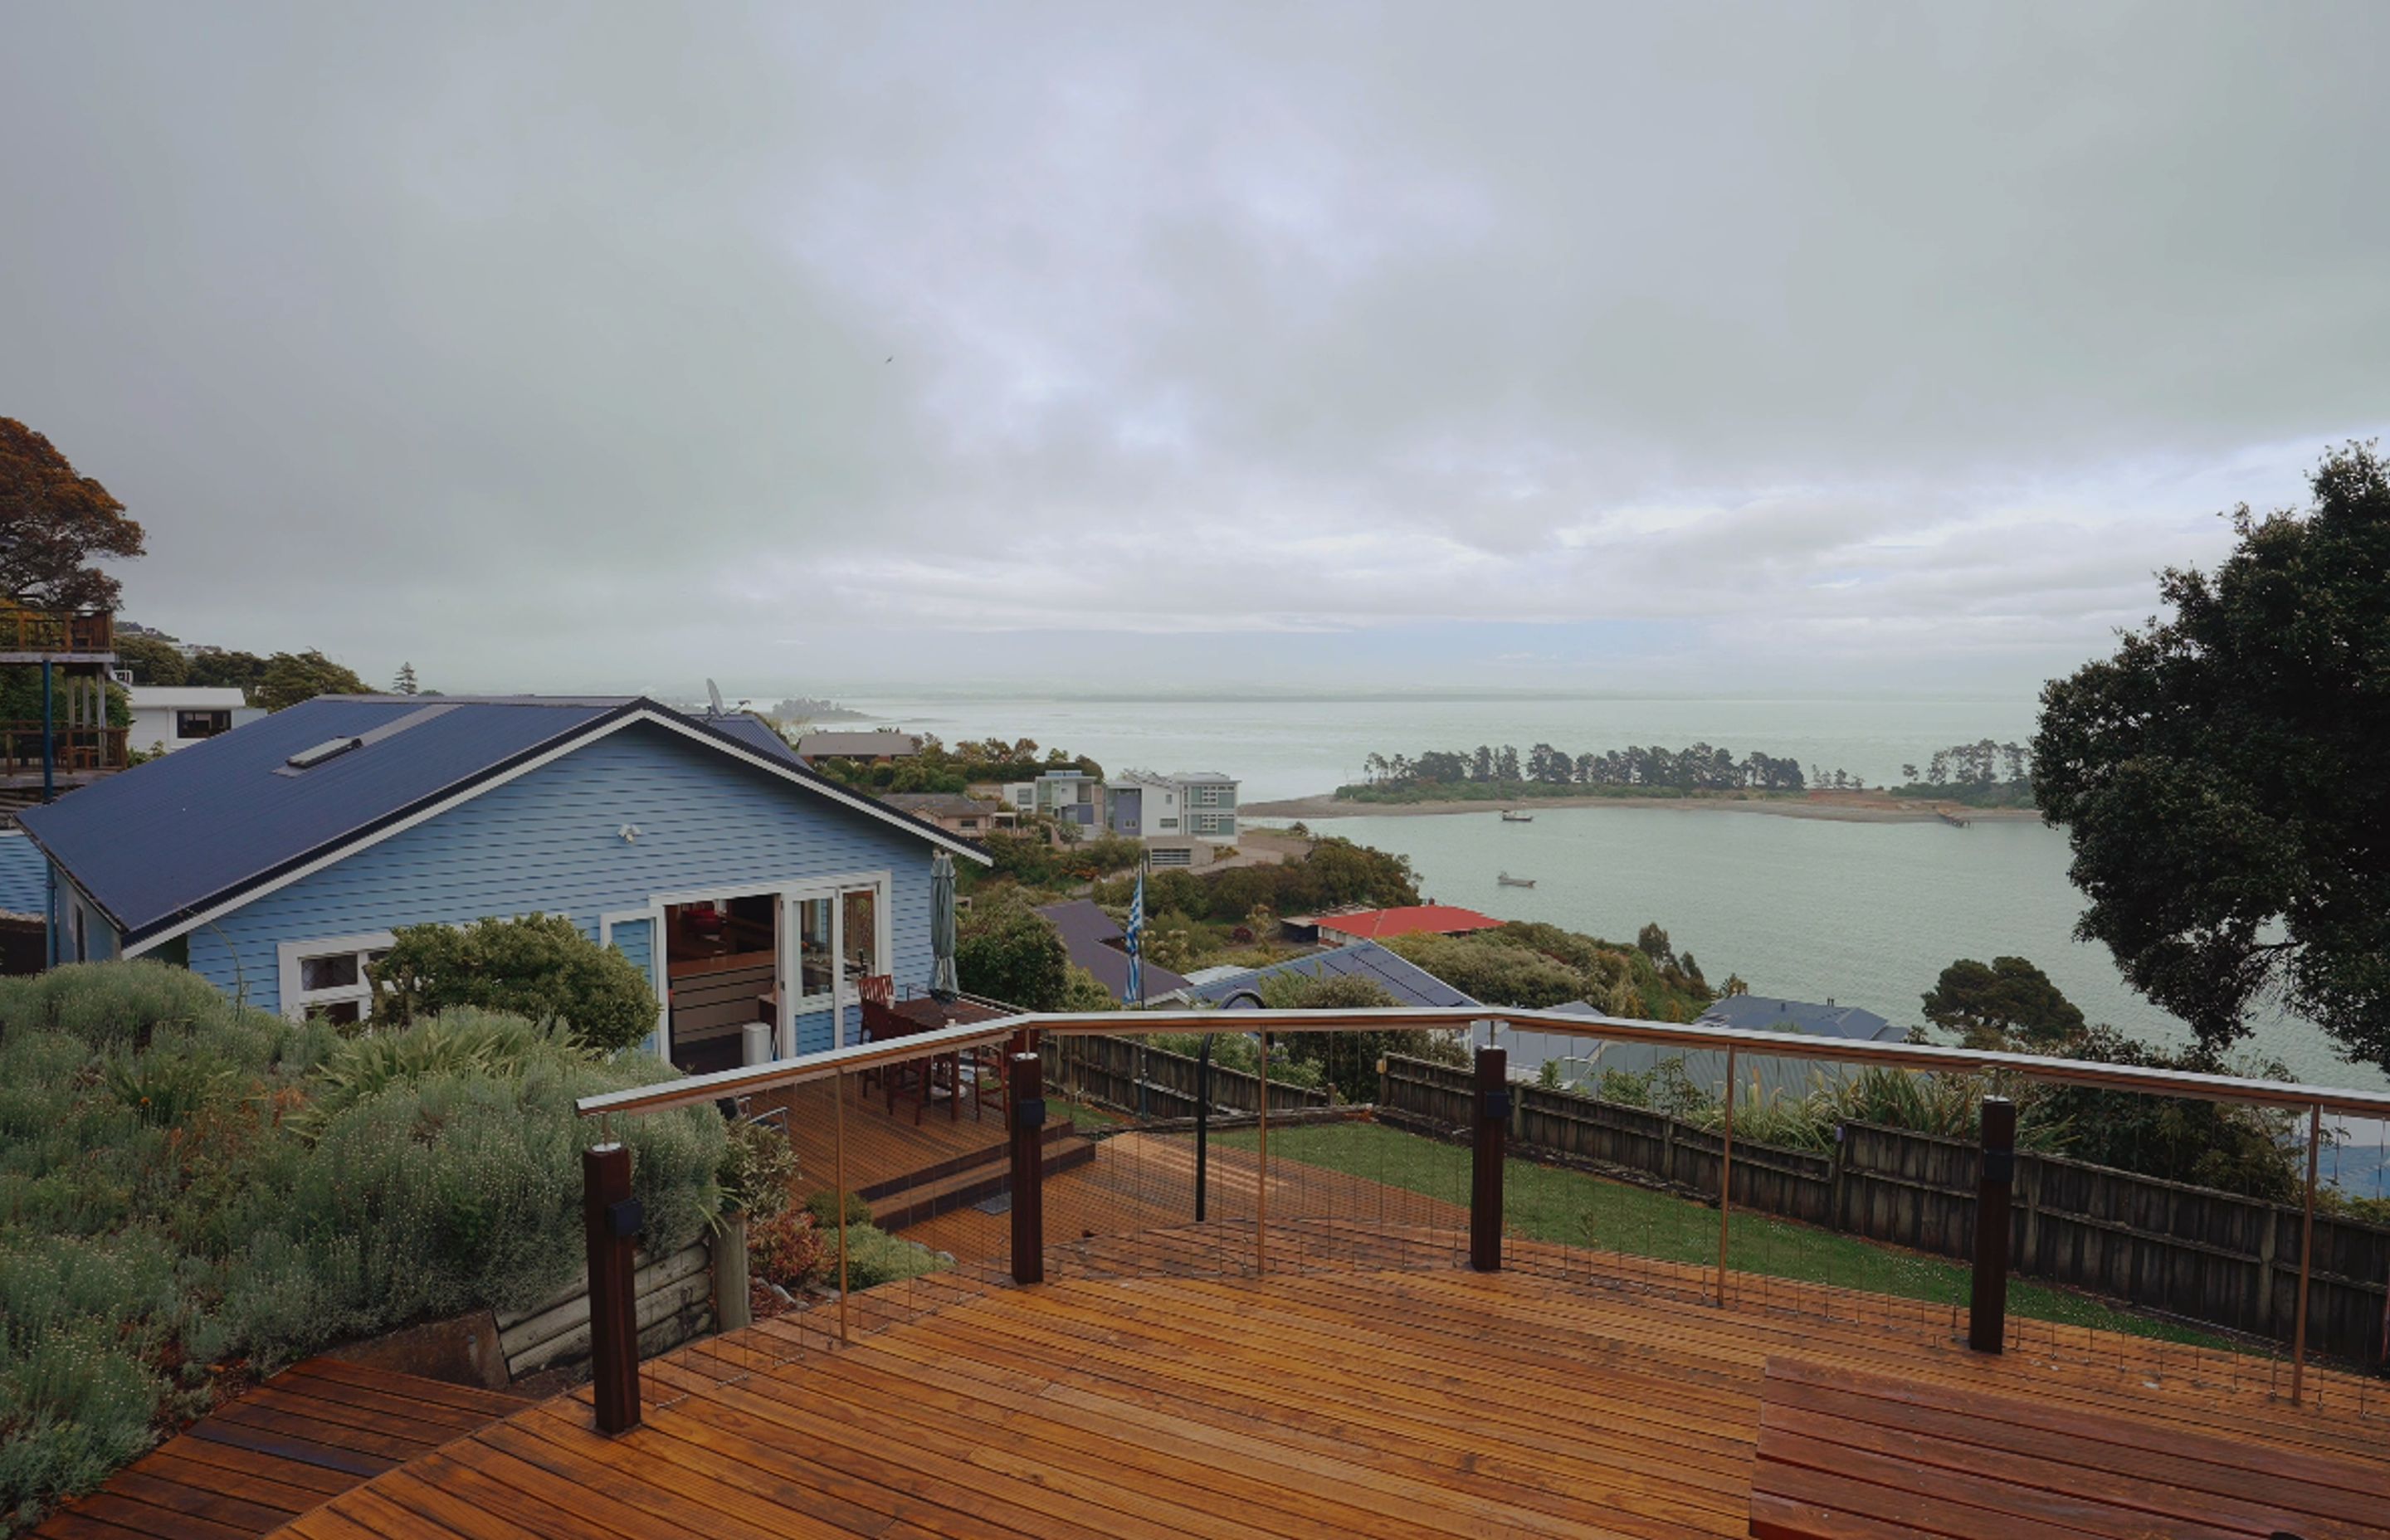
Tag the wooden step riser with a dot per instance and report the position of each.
(896, 1216)
(994, 1154)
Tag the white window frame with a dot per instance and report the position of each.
(290, 954)
(654, 916)
(790, 892)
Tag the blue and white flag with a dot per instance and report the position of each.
(1136, 941)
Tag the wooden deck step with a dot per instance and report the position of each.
(917, 1203)
(289, 1446)
(994, 1153)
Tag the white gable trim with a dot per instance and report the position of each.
(928, 833)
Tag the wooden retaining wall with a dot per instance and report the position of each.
(676, 1295)
(1155, 1083)
(2205, 1255)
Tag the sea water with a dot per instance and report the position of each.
(1863, 914)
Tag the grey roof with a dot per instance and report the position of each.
(1091, 937)
(159, 844)
(1766, 1013)
(872, 745)
(1408, 983)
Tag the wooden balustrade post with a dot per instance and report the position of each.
(610, 1223)
(1024, 1103)
(1491, 1122)
(1987, 1310)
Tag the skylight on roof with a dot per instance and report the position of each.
(307, 759)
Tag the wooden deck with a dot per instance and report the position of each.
(291, 1446)
(1382, 1399)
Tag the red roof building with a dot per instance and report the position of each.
(1437, 919)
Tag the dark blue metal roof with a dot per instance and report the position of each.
(755, 733)
(1408, 983)
(169, 837)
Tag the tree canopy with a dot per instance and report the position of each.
(1005, 951)
(2221, 779)
(2010, 1000)
(291, 677)
(54, 522)
(540, 968)
(152, 660)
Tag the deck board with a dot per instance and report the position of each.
(1564, 1399)
(310, 1433)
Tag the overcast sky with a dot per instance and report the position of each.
(1673, 346)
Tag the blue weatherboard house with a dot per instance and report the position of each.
(276, 860)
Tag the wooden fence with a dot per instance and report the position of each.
(1155, 1083)
(2204, 1255)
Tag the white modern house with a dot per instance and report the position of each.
(175, 716)
(1181, 818)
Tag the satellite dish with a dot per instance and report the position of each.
(714, 695)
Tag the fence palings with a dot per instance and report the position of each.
(2203, 1254)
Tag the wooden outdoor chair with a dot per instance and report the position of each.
(874, 989)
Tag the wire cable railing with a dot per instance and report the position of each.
(1366, 1142)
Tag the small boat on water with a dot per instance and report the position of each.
(1517, 816)
(1506, 879)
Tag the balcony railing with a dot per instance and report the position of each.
(73, 750)
(52, 632)
(1684, 1208)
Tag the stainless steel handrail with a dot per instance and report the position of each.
(696, 1090)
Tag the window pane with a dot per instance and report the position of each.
(813, 946)
(337, 971)
(343, 1012)
(861, 934)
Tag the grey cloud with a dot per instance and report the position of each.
(574, 346)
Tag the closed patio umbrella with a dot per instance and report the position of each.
(942, 979)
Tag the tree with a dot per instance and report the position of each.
(405, 683)
(2220, 776)
(153, 661)
(539, 967)
(215, 666)
(1008, 952)
(291, 677)
(1655, 943)
(54, 520)
(2010, 1000)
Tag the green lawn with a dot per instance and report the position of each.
(1569, 1207)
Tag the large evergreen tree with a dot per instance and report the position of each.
(54, 522)
(2221, 778)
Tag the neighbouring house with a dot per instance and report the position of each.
(1097, 942)
(1584, 1061)
(24, 898)
(1766, 1013)
(1179, 818)
(82, 746)
(878, 746)
(276, 860)
(1351, 925)
(174, 716)
(956, 814)
(1408, 983)
(1066, 795)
